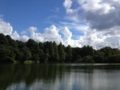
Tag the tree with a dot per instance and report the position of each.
(6, 55)
(79, 59)
(34, 49)
(3, 40)
(69, 53)
(88, 59)
(87, 50)
(56, 56)
(11, 42)
(62, 53)
(52, 52)
(20, 44)
(26, 53)
(76, 51)
(99, 56)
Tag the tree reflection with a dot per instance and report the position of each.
(10, 74)
(46, 73)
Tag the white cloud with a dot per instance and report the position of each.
(98, 20)
(32, 29)
(24, 38)
(100, 14)
(95, 38)
(67, 35)
(96, 6)
(99, 39)
(5, 27)
(52, 34)
(95, 22)
(16, 36)
(34, 35)
(24, 32)
(72, 13)
(67, 4)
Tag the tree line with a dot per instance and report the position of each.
(50, 52)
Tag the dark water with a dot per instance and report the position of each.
(60, 77)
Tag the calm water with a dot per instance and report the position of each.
(60, 77)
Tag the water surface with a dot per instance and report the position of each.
(60, 77)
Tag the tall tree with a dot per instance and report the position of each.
(34, 48)
(52, 52)
(62, 53)
(69, 53)
(11, 42)
(26, 53)
(6, 55)
(56, 56)
(3, 40)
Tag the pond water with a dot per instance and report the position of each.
(60, 77)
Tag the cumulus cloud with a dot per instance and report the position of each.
(67, 4)
(16, 36)
(94, 22)
(98, 19)
(5, 28)
(101, 39)
(90, 37)
(73, 13)
(51, 33)
(99, 6)
(67, 35)
(100, 14)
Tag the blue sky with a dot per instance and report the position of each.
(72, 22)
(24, 13)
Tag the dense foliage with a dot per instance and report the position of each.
(11, 50)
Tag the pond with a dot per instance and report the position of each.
(60, 77)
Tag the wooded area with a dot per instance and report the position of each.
(11, 50)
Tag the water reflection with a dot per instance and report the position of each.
(59, 77)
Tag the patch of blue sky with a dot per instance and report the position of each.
(25, 13)
(77, 35)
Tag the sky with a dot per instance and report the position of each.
(72, 22)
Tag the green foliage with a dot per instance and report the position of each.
(62, 53)
(56, 56)
(68, 54)
(3, 40)
(34, 49)
(6, 55)
(50, 52)
(11, 42)
(79, 59)
(88, 59)
(26, 54)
